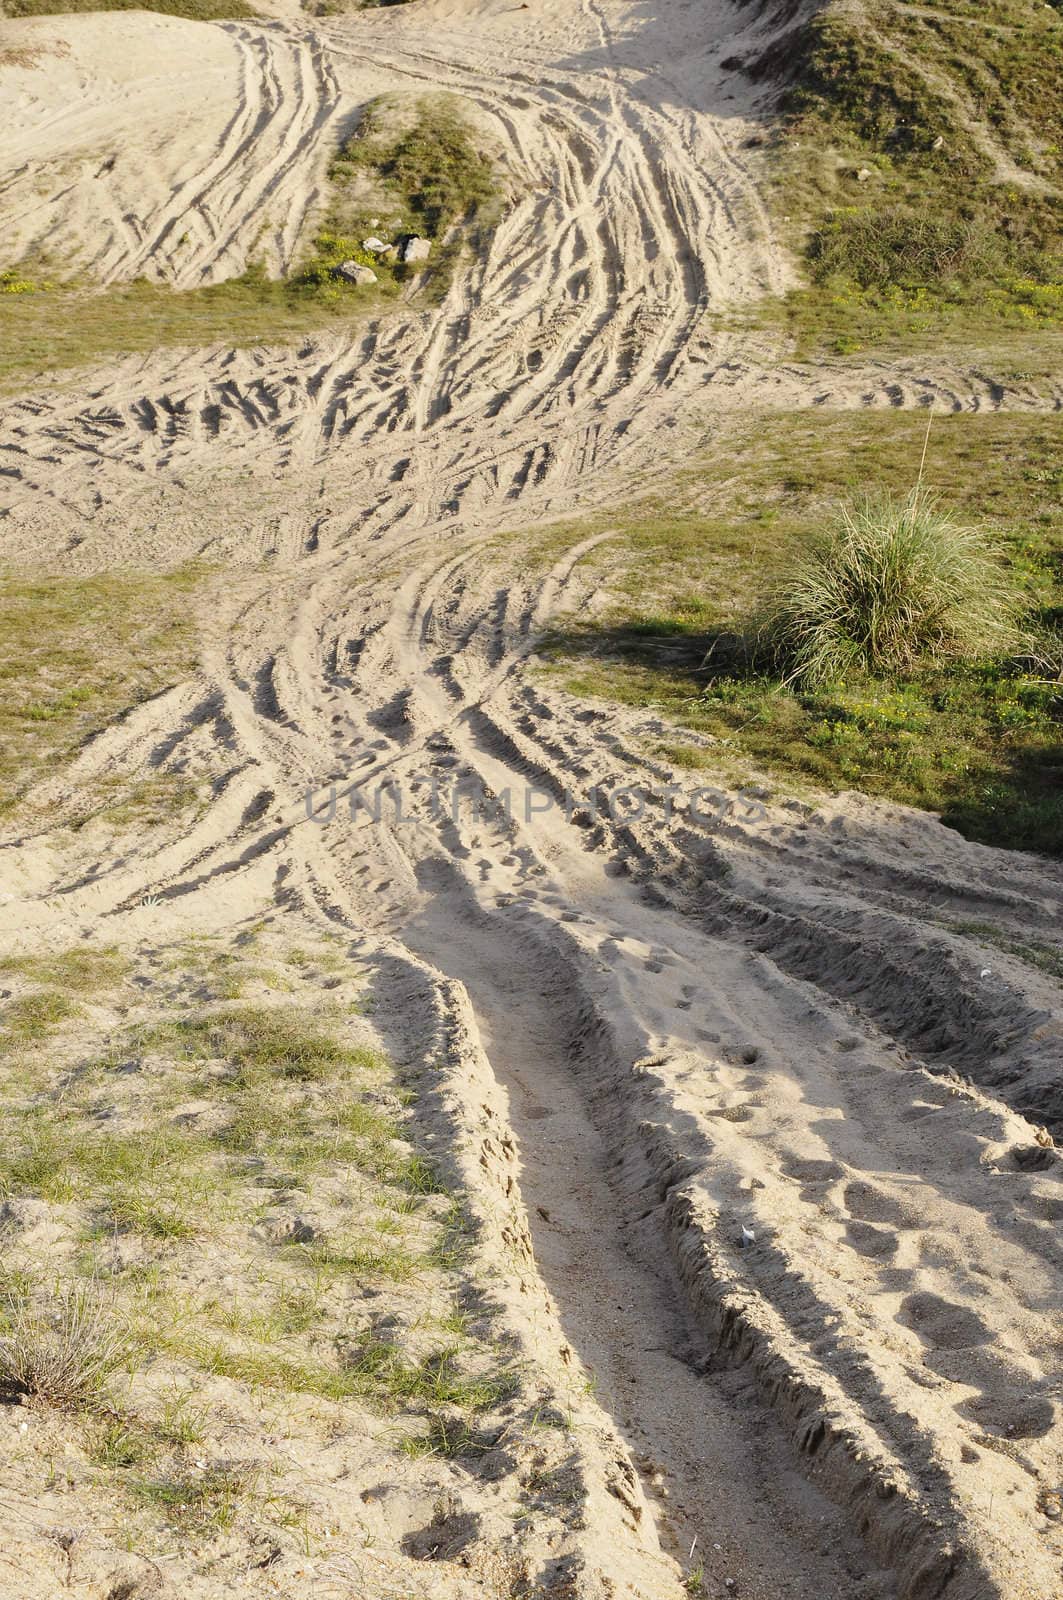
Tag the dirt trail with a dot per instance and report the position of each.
(770, 1024)
(735, 1498)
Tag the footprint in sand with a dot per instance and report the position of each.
(812, 1171)
(865, 1202)
(1012, 1415)
(877, 1243)
(942, 1323)
(741, 1055)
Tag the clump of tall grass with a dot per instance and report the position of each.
(894, 582)
(61, 1348)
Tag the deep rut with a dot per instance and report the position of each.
(595, 1223)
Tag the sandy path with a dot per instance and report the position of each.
(765, 1025)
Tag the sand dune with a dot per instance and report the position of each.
(779, 1120)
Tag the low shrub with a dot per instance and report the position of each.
(60, 1348)
(895, 581)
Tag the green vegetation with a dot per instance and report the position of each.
(1045, 957)
(977, 739)
(59, 685)
(892, 584)
(197, 10)
(412, 166)
(266, 1228)
(920, 169)
(63, 325)
(197, 1501)
(82, 968)
(369, 1369)
(33, 1016)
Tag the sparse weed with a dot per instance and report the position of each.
(61, 1347)
(81, 968)
(60, 685)
(202, 1501)
(182, 1422)
(33, 1016)
(122, 1444)
(448, 1436)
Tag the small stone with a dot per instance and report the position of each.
(863, 174)
(1050, 1504)
(354, 272)
(377, 246)
(416, 249)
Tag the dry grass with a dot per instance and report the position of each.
(61, 1347)
(78, 652)
(236, 1204)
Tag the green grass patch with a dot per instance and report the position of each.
(412, 167)
(197, 1501)
(80, 968)
(978, 740)
(918, 167)
(75, 653)
(280, 1136)
(263, 1041)
(54, 327)
(33, 1016)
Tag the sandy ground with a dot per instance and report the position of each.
(778, 1116)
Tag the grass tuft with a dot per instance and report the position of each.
(79, 969)
(61, 1348)
(33, 1016)
(894, 582)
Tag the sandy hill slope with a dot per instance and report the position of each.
(753, 1131)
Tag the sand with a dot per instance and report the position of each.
(773, 1121)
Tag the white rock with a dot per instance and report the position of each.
(374, 244)
(416, 250)
(354, 272)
